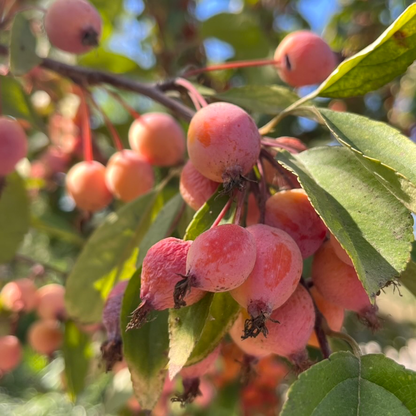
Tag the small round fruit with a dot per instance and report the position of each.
(304, 59)
(20, 295)
(292, 212)
(339, 251)
(10, 353)
(195, 188)
(51, 302)
(223, 142)
(128, 175)
(73, 25)
(158, 138)
(45, 336)
(85, 183)
(13, 145)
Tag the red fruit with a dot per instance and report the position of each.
(20, 295)
(45, 336)
(13, 145)
(304, 59)
(85, 183)
(158, 138)
(10, 353)
(128, 175)
(339, 284)
(223, 142)
(339, 251)
(333, 314)
(163, 266)
(195, 188)
(219, 260)
(73, 25)
(200, 369)
(253, 211)
(51, 302)
(292, 212)
(276, 273)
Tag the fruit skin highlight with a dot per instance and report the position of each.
(304, 59)
(85, 183)
(223, 142)
(73, 26)
(10, 353)
(158, 138)
(13, 145)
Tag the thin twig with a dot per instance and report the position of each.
(32, 262)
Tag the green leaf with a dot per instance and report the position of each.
(377, 64)
(223, 312)
(146, 349)
(14, 216)
(408, 277)
(100, 58)
(23, 57)
(206, 215)
(16, 103)
(345, 385)
(381, 148)
(161, 226)
(265, 99)
(108, 256)
(369, 222)
(77, 356)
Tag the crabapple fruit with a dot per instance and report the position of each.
(20, 295)
(162, 268)
(45, 336)
(10, 353)
(333, 314)
(13, 145)
(85, 183)
(292, 212)
(73, 25)
(304, 59)
(51, 302)
(338, 283)
(276, 273)
(339, 251)
(219, 260)
(128, 175)
(195, 188)
(223, 142)
(158, 138)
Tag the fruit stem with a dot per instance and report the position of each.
(125, 105)
(222, 213)
(86, 129)
(271, 143)
(194, 94)
(264, 191)
(240, 204)
(231, 65)
(345, 337)
(266, 155)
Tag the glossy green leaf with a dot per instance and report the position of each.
(265, 99)
(14, 216)
(377, 64)
(161, 226)
(108, 256)
(185, 329)
(223, 312)
(146, 349)
(77, 353)
(345, 385)
(23, 57)
(369, 222)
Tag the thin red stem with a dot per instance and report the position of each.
(126, 106)
(194, 94)
(240, 205)
(272, 143)
(264, 191)
(222, 213)
(86, 128)
(231, 65)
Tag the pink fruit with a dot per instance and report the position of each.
(45, 336)
(253, 211)
(13, 145)
(274, 278)
(339, 251)
(10, 353)
(85, 183)
(195, 188)
(223, 142)
(158, 138)
(51, 302)
(73, 25)
(292, 212)
(162, 268)
(304, 59)
(219, 260)
(200, 369)
(20, 295)
(128, 175)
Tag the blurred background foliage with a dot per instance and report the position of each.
(153, 41)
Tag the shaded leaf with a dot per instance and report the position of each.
(408, 277)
